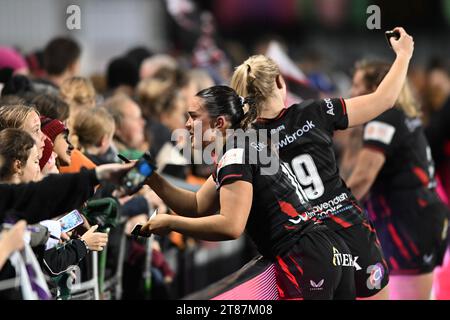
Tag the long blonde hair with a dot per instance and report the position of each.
(255, 79)
(374, 73)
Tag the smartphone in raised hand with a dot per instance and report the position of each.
(392, 34)
(135, 178)
(136, 232)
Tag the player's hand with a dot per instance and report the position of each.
(131, 222)
(404, 45)
(159, 225)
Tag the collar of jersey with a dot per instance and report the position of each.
(280, 115)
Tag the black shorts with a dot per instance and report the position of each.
(318, 267)
(371, 269)
(412, 228)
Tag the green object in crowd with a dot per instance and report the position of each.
(132, 154)
(104, 212)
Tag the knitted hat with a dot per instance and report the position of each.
(52, 127)
(46, 154)
(10, 58)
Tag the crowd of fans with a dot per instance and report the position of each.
(55, 122)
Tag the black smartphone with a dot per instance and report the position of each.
(135, 178)
(123, 158)
(136, 230)
(392, 33)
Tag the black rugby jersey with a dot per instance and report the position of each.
(277, 216)
(402, 140)
(305, 142)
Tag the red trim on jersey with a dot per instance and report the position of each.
(288, 209)
(281, 114)
(414, 248)
(386, 210)
(316, 220)
(447, 148)
(398, 242)
(286, 271)
(393, 263)
(377, 241)
(421, 202)
(344, 107)
(297, 266)
(230, 176)
(368, 226)
(339, 221)
(280, 291)
(421, 175)
(371, 211)
(385, 263)
(355, 204)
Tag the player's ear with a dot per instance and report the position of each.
(279, 81)
(221, 122)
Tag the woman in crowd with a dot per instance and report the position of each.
(25, 118)
(21, 165)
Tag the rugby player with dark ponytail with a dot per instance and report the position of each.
(261, 197)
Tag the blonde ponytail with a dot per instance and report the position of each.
(255, 80)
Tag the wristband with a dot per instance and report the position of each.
(85, 243)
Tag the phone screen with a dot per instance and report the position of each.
(71, 220)
(137, 175)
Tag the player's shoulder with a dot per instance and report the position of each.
(307, 108)
(384, 127)
(393, 116)
(231, 156)
(243, 142)
(304, 105)
(314, 105)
